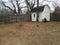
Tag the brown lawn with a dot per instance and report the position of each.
(30, 33)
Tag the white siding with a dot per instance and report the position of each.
(34, 16)
(45, 14)
(40, 17)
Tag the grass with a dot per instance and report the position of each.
(30, 33)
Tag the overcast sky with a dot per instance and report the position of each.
(49, 2)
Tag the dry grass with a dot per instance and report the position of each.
(30, 33)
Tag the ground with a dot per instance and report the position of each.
(30, 33)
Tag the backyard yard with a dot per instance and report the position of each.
(30, 33)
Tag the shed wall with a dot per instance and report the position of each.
(45, 14)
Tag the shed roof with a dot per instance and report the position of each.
(38, 9)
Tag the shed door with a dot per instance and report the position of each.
(34, 16)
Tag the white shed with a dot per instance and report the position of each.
(44, 13)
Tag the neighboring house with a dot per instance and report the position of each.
(44, 13)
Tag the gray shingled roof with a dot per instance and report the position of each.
(38, 9)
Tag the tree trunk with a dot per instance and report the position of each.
(37, 10)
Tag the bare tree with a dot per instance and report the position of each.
(15, 4)
(30, 4)
(55, 3)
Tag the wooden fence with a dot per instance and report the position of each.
(55, 17)
(14, 18)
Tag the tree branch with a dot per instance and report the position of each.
(6, 5)
(30, 6)
(13, 6)
(18, 6)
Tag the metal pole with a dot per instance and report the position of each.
(37, 10)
